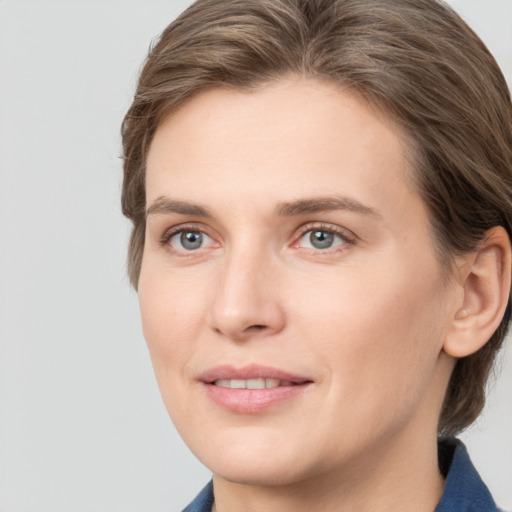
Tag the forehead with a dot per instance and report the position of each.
(281, 141)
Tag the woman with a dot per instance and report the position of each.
(321, 194)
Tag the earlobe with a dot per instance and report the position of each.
(485, 281)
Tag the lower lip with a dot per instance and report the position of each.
(250, 401)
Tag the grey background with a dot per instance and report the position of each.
(82, 426)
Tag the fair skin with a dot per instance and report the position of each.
(284, 241)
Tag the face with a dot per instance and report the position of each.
(291, 298)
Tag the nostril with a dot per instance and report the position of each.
(256, 327)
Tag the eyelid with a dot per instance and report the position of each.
(345, 234)
(188, 226)
(170, 232)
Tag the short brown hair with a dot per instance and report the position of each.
(415, 58)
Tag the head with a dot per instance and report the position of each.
(414, 60)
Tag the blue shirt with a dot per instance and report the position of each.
(464, 490)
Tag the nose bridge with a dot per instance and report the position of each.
(245, 301)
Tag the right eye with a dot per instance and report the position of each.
(189, 240)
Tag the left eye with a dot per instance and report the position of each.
(190, 240)
(320, 239)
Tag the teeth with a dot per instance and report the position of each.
(272, 383)
(255, 384)
(251, 383)
(223, 383)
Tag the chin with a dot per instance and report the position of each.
(258, 461)
(259, 472)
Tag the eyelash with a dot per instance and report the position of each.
(346, 236)
(170, 233)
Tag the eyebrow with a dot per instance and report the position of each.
(163, 205)
(322, 204)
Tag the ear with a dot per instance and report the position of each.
(485, 281)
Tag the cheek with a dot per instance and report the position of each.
(171, 313)
(380, 333)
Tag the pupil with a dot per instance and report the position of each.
(321, 239)
(191, 240)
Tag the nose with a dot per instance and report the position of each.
(247, 300)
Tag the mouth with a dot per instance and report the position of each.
(258, 383)
(251, 389)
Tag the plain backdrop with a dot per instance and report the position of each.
(82, 425)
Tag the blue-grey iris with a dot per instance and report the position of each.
(191, 240)
(321, 239)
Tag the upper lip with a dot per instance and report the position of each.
(252, 371)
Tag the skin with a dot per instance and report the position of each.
(367, 320)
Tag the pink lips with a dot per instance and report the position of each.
(282, 386)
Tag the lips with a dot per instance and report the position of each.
(253, 388)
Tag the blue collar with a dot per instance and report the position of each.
(203, 501)
(464, 490)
